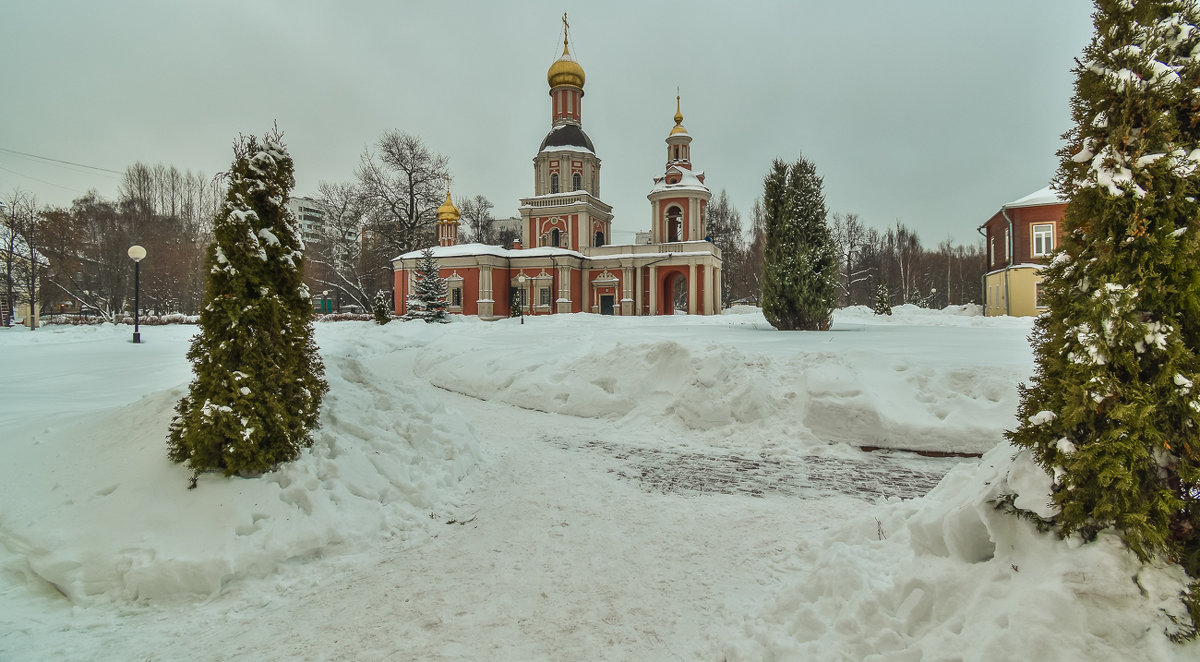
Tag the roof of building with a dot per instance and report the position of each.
(688, 181)
(1046, 196)
(462, 250)
(567, 135)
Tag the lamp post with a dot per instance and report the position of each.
(521, 296)
(136, 253)
(933, 296)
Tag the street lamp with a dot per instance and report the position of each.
(136, 253)
(521, 296)
(933, 295)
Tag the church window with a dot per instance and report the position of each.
(554, 183)
(674, 224)
(555, 237)
(544, 296)
(599, 239)
(456, 297)
(677, 153)
(577, 181)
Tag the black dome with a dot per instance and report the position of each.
(567, 135)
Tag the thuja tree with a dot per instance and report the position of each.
(258, 379)
(883, 299)
(428, 300)
(800, 268)
(381, 307)
(1113, 410)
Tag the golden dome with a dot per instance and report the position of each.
(565, 71)
(678, 119)
(448, 212)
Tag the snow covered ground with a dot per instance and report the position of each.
(573, 488)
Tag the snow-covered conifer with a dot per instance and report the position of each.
(382, 308)
(800, 267)
(916, 298)
(258, 379)
(428, 300)
(883, 299)
(1111, 413)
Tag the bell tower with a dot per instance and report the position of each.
(565, 210)
(679, 197)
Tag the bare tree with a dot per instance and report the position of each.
(401, 186)
(477, 214)
(338, 261)
(724, 227)
(24, 263)
(848, 236)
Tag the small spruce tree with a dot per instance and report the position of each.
(883, 299)
(800, 266)
(916, 298)
(1113, 410)
(428, 301)
(381, 306)
(258, 378)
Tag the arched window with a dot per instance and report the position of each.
(554, 237)
(674, 224)
(576, 181)
(554, 183)
(677, 152)
(599, 239)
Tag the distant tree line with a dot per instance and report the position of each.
(83, 265)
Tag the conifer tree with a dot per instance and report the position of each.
(428, 301)
(1112, 413)
(915, 297)
(258, 379)
(883, 299)
(800, 267)
(382, 308)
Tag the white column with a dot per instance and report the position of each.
(709, 297)
(653, 290)
(692, 310)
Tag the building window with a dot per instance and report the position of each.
(991, 252)
(544, 296)
(1006, 245)
(577, 181)
(599, 239)
(456, 297)
(1039, 299)
(1043, 239)
(555, 237)
(554, 183)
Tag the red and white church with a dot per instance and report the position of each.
(563, 262)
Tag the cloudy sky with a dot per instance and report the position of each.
(930, 112)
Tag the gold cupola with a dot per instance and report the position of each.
(678, 119)
(565, 71)
(448, 212)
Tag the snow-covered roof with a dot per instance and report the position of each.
(20, 248)
(688, 181)
(1046, 196)
(464, 250)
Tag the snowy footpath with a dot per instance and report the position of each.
(573, 488)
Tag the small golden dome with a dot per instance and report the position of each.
(678, 119)
(565, 71)
(448, 212)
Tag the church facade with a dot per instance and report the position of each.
(564, 262)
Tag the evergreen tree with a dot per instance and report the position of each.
(258, 379)
(382, 307)
(915, 297)
(1112, 413)
(883, 299)
(428, 301)
(800, 267)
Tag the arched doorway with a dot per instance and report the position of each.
(672, 291)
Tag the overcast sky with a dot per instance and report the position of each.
(931, 112)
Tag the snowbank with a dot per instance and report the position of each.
(949, 576)
(897, 386)
(94, 508)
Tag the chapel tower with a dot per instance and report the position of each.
(565, 210)
(679, 197)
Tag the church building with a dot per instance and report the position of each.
(564, 261)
